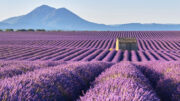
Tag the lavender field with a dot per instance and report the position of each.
(88, 46)
(85, 66)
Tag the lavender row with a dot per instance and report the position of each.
(60, 83)
(14, 68)
(98, 44)
(69, 54)
(90, 35)
(164, 77)
(121, 82)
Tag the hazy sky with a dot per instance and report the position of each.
(103, 11)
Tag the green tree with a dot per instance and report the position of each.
(9, 30)
(40, 30)
(31, 30)
(21, 30)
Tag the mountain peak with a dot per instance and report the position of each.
(42, 9)
(63, 9)
(44, 6)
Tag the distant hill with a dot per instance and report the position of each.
(49, 18)
(146, 27)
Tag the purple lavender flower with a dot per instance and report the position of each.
(121, 82)
(59, 83)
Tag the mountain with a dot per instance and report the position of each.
(148, 27)
(45, 17)
(4, 25)
(49, 18)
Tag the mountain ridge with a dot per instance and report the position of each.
(49, 18)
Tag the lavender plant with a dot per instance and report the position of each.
(121, 82)
(13, 68)
(164, 77)
(60, 83)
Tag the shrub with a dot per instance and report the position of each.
(21, 30)
(9, 30)
(59, 30)
(31, 30)
(40, 30)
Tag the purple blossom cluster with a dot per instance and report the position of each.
(164, 77)
(59, 83)
(121, 82)
(13, 68)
